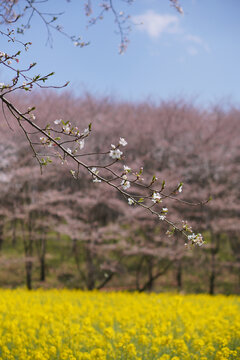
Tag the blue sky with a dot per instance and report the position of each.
(194, 56)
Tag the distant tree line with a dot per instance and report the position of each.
(68, 228)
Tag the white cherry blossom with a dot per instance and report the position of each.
(126, 168)
(130, 201)
(95, 172)
(125, 184)
(85, 132)
(96, 180)
(115, 154)
(122, 142)
(66, 129)
(156, 197)
(162, 217)
(81, 144)
(57, 121)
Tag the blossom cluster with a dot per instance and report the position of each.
(195, 239)
(156, 197)
(67, 129)
(116, 154)
(95, 173)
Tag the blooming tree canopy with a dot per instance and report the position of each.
(63, 141)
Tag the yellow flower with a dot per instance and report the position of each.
(76, 325)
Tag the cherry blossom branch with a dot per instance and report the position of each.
(66, 133)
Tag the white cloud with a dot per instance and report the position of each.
(193, 38)
(192, 51)
(196, 40)
(155, 24)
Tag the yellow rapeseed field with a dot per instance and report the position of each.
(70, 325)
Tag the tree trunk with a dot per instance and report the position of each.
(90, 270)
(150, 275)
(28, 267)
(42, 258)
(155, 277)
(42, 269)
(149, 285)
(14, 228)
(238, 291)
(105, 281)
(1, 236)
(179, 275)
(212, 275)
(28, 249)
(138, 273)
